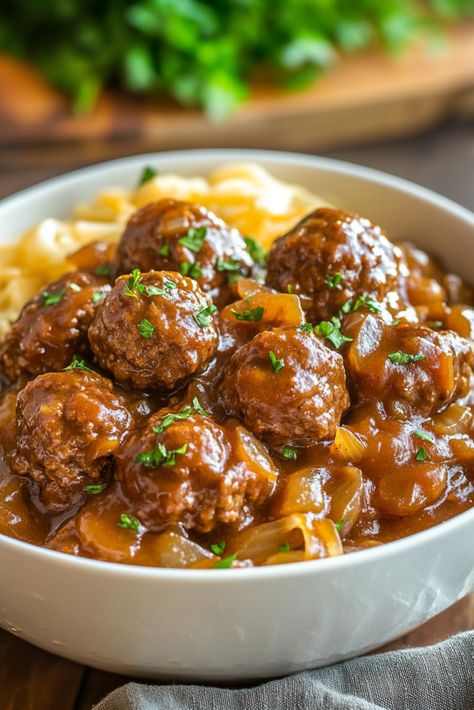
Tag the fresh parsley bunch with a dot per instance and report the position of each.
(204, 52)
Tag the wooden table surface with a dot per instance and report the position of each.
(31, 679)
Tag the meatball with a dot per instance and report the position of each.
(68, 426)
(185, 468)
(52, 327)
(330, 257)
(180, 236)
(154, 330)
(286, 386)
(409, 367)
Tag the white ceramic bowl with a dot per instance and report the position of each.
(248, 623)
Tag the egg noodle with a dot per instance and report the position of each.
(244, 195)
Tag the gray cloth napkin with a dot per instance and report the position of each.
(438, 677)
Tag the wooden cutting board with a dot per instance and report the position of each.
(363, 97)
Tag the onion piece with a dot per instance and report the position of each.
(303, 532)
(250, 450)
(172, 550)
(303, 492)
(347, 447)
(455, 419)
(279, 309)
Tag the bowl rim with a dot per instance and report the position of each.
(292, 569)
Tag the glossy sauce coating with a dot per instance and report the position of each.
(256, 434)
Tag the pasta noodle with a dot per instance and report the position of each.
(244, 195)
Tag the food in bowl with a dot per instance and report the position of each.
(231, 374)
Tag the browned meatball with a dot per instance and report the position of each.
(68, 426)
(194, 472)
(154, 330)
(287, 387)
(52, 327)
(181, 236)
(332, 256)
(411, 368)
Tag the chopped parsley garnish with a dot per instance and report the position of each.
(160, 456)
(172, 417)
(103, 270)
(165, 250)
(339, 525)
(226, 562)
(401, 358)
(333, 280)
(331, 330)
(231, 265)
(146, 329)
(277, 364)
(94, 488)
(289, 452)
(156, 291)
(134, 285)
(255, 251)
(130, 523)
(187, 268)
(421, 454)
(217, 547)
(148, 174)
(251, 314)
(198, 408)
(289, 288)
(194, 239)
(307, 327)
(435, 324)
(98, 296)
(202, 317)
(78, 364)
(424, 436)
(285, 547)
(360, 302)
(395, 322)
(51, 299)
(74, 287)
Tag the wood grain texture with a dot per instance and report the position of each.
(362, 97)
(31, 679)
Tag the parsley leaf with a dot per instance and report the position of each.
(277, 364)
(165, 250)
(51, 299)
(423, 435)
(307, 327)
(331, 330)
(401, 358)
(285, 547)
(134, 285)
(148, 174)
(198, 408)
(289, 452)
(226, 562)
(78, 364)
(146, 329)
(202, 317)
(194, 239)
(251, 314)
(217, 547)
(190, 269)
(339, 525)
(160, 456)
(98, 296)
(103, 270)
(333, 280)
(130, 523)
(172, 417)
(421, 454)
(231, 265)
(94, 488)
(256, 251)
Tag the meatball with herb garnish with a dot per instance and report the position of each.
(154, 330)
(69, 424)
(180, 236)
(185, 468)
(52, 327)
(333, 256)
(286, 386)
(409, 367)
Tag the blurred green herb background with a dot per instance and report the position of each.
(204, 52)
